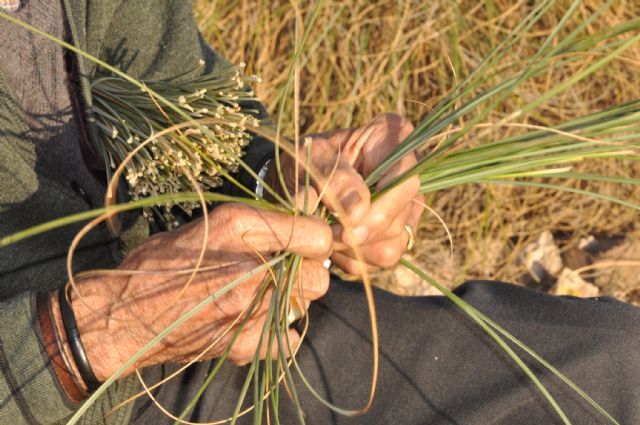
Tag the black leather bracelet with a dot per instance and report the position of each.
(73, 338)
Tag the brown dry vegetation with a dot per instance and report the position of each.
(363, 58)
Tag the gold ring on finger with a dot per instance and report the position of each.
(412, 237)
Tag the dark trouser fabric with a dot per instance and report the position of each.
(438, 367)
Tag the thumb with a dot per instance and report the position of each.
(339, 184)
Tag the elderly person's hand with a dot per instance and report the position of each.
(118, 315)
(343, 159)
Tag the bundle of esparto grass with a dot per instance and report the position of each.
(125, 119)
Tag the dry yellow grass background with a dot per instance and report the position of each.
(363, 58)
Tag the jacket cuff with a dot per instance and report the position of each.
(29, 385)
(30, 389)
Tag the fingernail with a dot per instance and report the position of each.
(359, 235)
(291, 317)
(350, 200)
(326, 264)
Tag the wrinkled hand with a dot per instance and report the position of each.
(121, 314)
(342, 160)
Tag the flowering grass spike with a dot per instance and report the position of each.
(126, 116)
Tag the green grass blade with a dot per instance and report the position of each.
(466, 308)
(132, 205)
(548, 366)
(510, 337)
(565, 189)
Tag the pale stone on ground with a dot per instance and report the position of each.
(543, 253)
(570, 283)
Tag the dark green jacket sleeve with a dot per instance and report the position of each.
(29, 389)
(154, 39)
(24, 368)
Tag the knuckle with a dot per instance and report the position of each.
(396, 120)
(243, 349)
(379, 219)
(399, 124)
(239, 359)
(413, 184)
(341, 179)
(406, 126)
(230, 305)
(325, 163)
(355, 268)
(316, 281)
(388, 255)
(223, 219)
(323, 238)
(231, 220)
(226, 210)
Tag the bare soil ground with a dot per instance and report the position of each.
(609, 266)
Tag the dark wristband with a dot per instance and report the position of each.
(260, 151)
(53, 347)
(73, 339)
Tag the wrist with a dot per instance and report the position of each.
(90, 348)
(110, 331)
